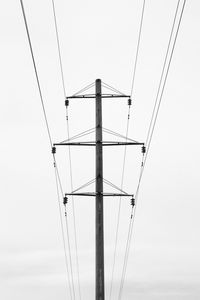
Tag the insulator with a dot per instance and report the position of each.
(65, 200)
(66, 102)
(133, 202)
(53, 150)
(129, 101)
(143, 149)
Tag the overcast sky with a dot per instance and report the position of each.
(98, 40)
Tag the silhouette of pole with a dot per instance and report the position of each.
(99, 197)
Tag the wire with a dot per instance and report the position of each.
(165, 79)
(58, 181)
(62, 228)
(84, 89)
(49, 135)
(73, 210)
(119, 210)
(113, 185)
(48, 130)
(36, 72)
(84, 133)
(117, 134)
(128, 241)
(64, 90)
(122, 179)
(59, 49)
(112, 88)
(162, 73)
(69, 249)
(145, 158)
(137, 50)
(84, 185)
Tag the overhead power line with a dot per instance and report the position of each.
(62, 228)
(138, 47)
(150, 135)
(69, 149)
(36, 72)
(57, 176)
(162, 73)
(125, 150)
(59, 50)
(119, 210)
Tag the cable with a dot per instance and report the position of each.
(36, 72)
(145, 158)
(73, 210)
(119, 209)
(69, 249)
(59, 49)
(113, 185)
(132, 218)
(138, 46)
(66, 224)
(84, 133)
(165, 79)
(49, 135)
(84, 185)
(132, 86)
(117, 134)
(62, 228)
(84, 89)
(111, 88)
(64, 90)
(162, 73)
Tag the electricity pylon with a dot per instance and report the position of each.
(99, 193)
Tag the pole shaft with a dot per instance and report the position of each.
(99, 197)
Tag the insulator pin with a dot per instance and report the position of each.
(129, 101)
(53, 150)
(65, 200)
(143, 149)
(66, 102)
(133, 202)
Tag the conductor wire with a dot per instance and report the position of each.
(36, 72)
(150, 134)
(64, 91)
(59, 49)
(48, 131)
(138, 47)
(62, 228)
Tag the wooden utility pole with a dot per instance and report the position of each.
(99, 197)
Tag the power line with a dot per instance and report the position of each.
(162, 73)
(148, 147)
(36, 72)
(124, 159)
(70, 257)
(62, 228)
(73, 210)
(119, 209)
(59, 49)
(129, 235)
(64, 90)
(58, 181)
(138, 47)
(66, 224)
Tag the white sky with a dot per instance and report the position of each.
(98, 40)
